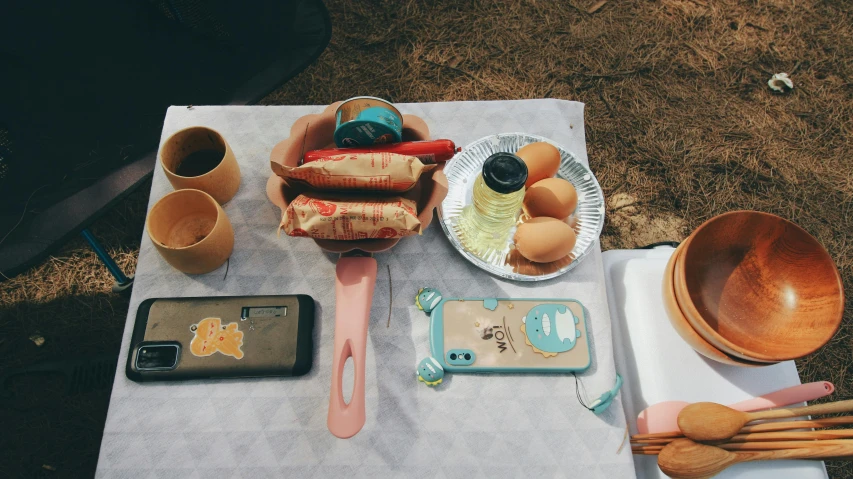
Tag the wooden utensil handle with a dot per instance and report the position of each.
(768, 436)
(793, 436)
(657, 435)
(765, 427)
(788, 425)
(828, 408)
(823, 451)
(776, 445)
(646, 450)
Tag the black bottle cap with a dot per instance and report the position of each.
(504, 173)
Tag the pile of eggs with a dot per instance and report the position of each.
(545, 236)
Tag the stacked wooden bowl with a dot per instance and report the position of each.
(752, 289)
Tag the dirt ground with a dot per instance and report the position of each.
(680, 126)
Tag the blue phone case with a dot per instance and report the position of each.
(509, 335)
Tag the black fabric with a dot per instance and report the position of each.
(85, 86)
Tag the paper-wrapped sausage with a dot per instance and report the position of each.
(351, 219)
(371, 171)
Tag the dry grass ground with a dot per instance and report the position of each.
(680, 127)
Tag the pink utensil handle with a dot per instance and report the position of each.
(787, 396)
(355, 278)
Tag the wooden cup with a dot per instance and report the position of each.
(191, 231)
(220, 182)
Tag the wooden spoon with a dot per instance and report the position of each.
(685, 459)
(707, 421)
(663, 416)
(764, 427)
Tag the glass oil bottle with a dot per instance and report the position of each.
(484, 225)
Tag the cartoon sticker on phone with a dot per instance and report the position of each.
(212, 336)
(550, 329)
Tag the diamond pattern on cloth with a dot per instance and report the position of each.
(470, 426)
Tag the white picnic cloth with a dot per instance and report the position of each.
(471, 426)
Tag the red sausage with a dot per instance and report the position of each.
(433, 151)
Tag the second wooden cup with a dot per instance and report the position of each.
(199, 158)
(191, 231)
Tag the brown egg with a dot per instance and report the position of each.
(543, 240)
(542, 160)
(553, 197)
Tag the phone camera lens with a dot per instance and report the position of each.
(453, 356)
(155, 357)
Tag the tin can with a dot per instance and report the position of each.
(366, 121)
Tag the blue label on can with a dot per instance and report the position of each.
(372, 126)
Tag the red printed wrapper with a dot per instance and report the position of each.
(351, 219)
(371, 171)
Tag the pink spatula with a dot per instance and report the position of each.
(663, 416)
(355, 278)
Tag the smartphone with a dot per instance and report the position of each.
(509, 335)
(221, 337)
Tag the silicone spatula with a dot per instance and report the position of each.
(663, 416)
(355, 278)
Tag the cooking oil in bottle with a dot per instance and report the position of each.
(498, 194)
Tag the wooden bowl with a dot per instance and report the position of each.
(759, 287)
(691, 316)
(312, 132)
(683, 328)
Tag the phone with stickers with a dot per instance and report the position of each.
(221, 337)
(504, 335)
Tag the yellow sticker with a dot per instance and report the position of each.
(212, 336)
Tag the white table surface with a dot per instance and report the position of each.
(472, 426)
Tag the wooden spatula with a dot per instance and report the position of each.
(707, 421)
(685, 459)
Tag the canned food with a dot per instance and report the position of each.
(366, 121)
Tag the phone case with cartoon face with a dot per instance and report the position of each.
(510, 335)
(221, 337)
